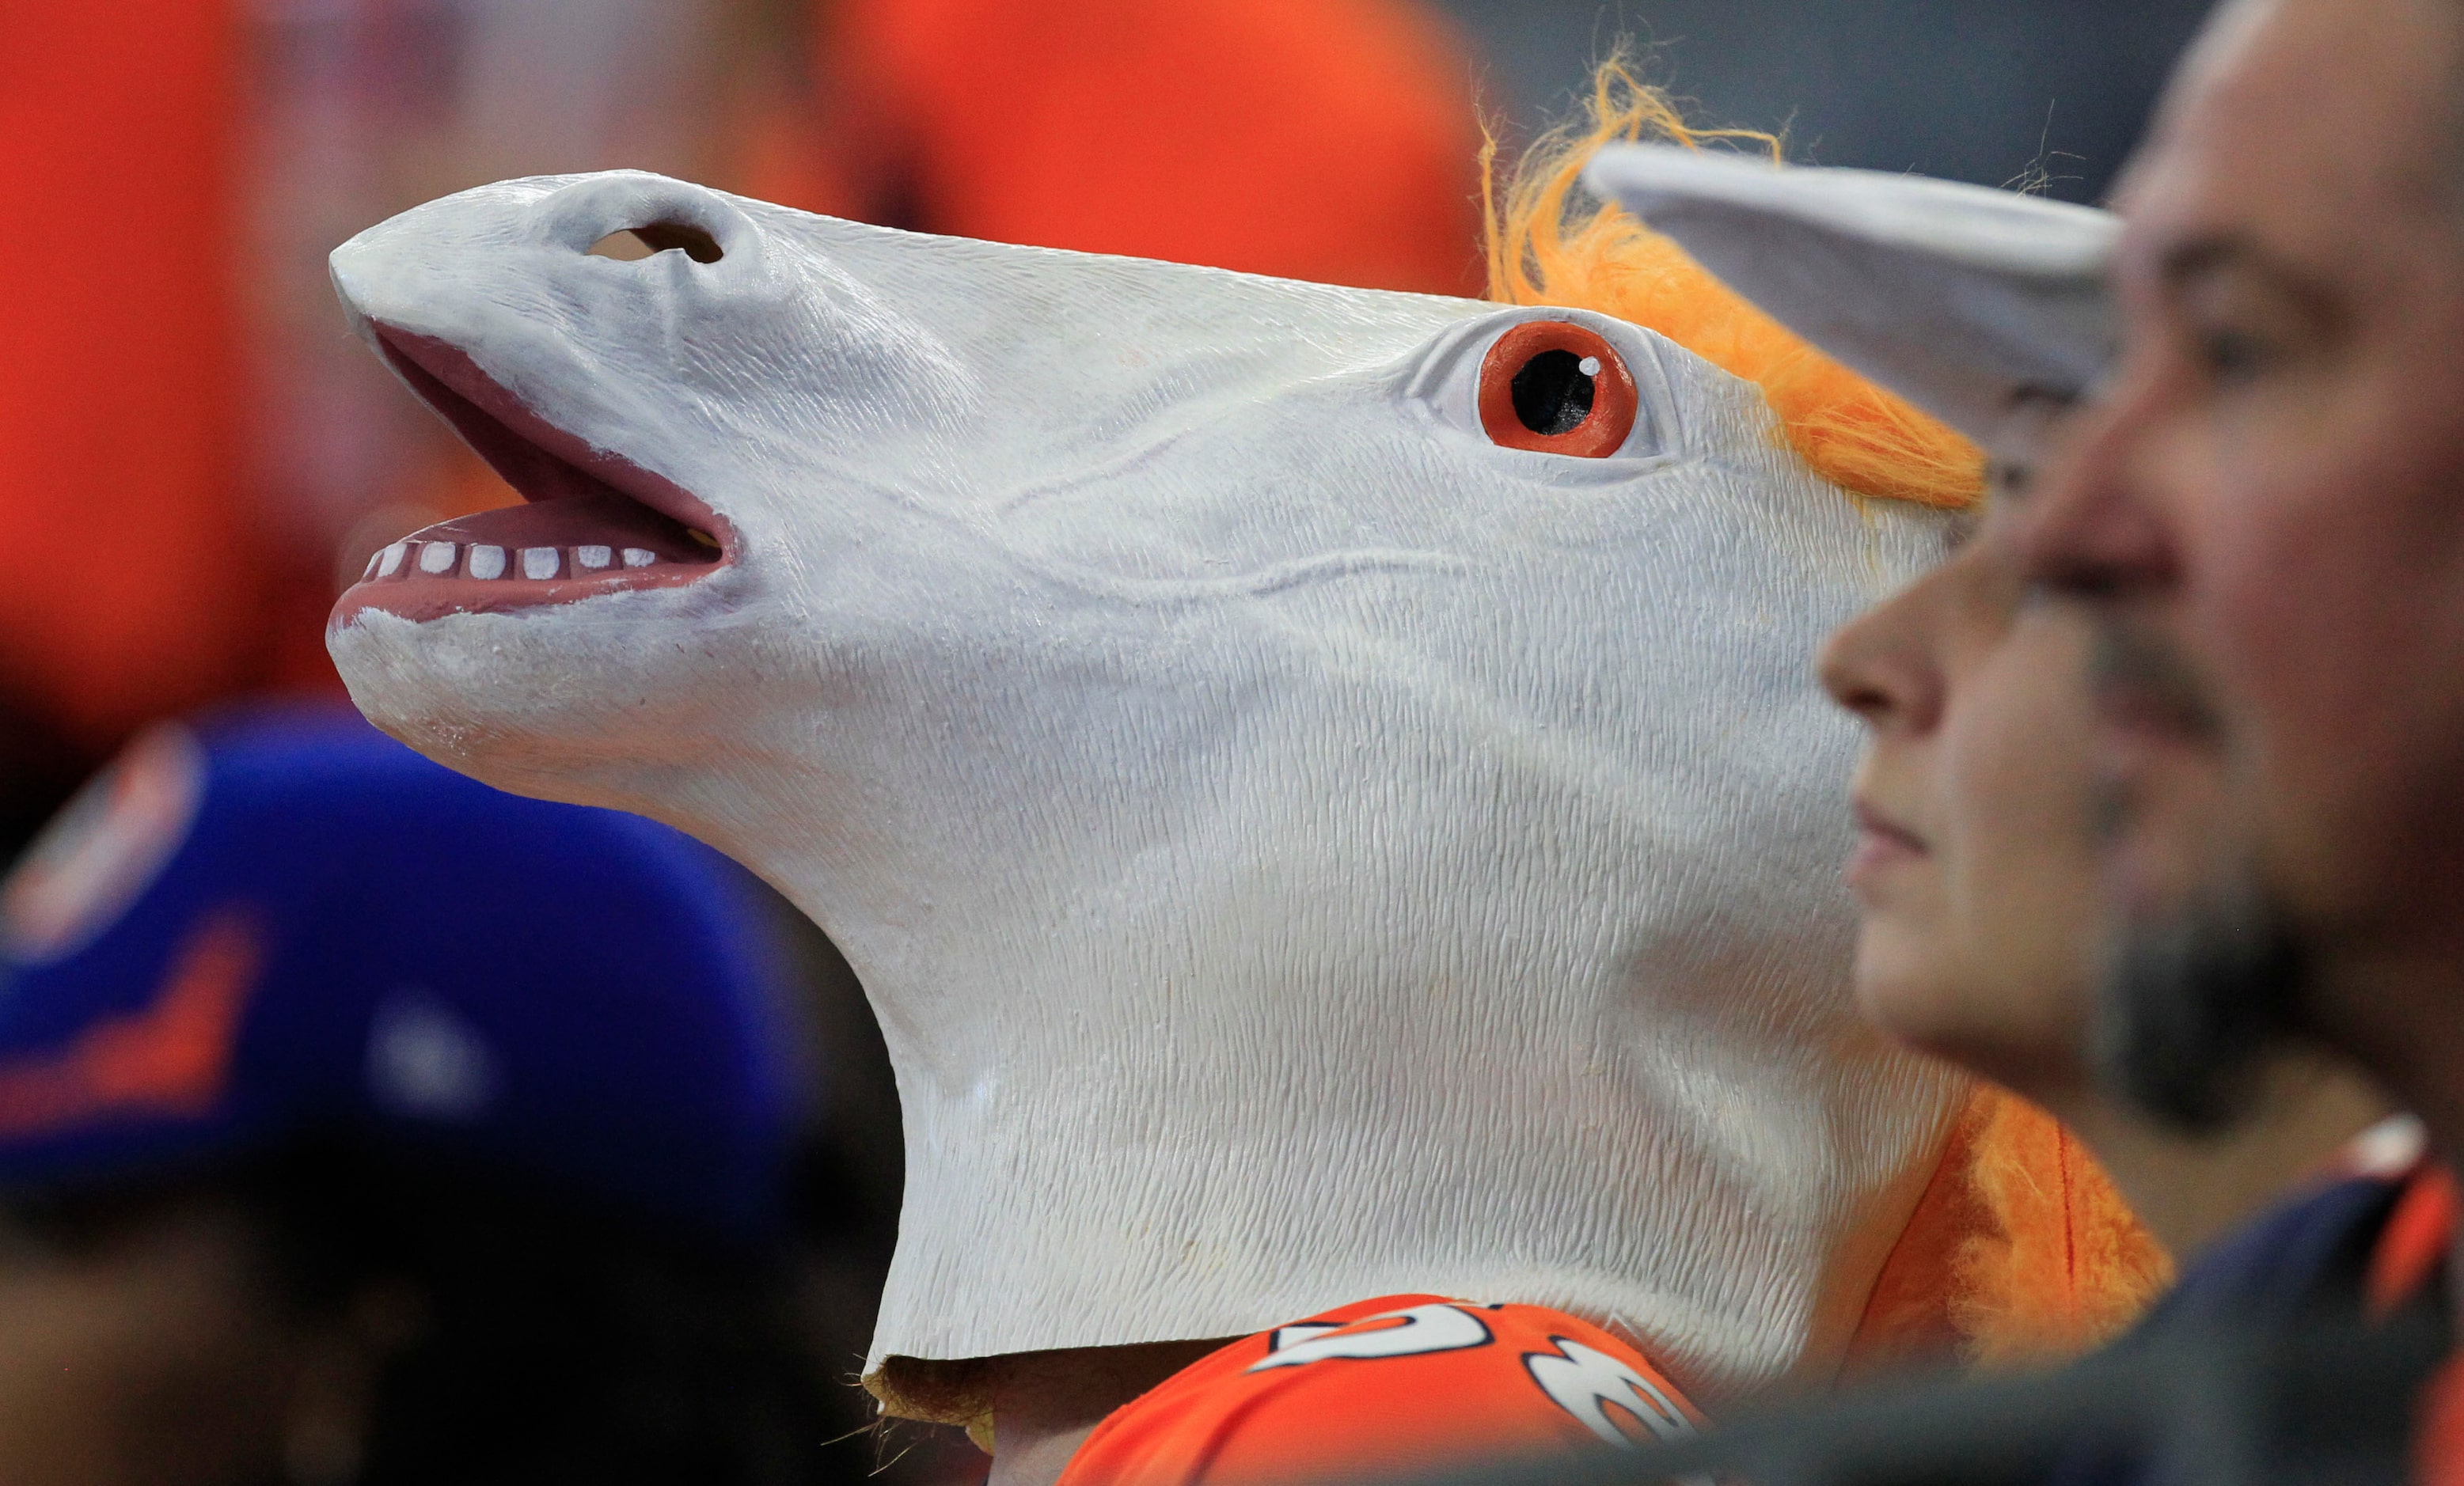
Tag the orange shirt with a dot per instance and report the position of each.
(128, 577)
(2409, 1257)
(1336, 141)
(1406, 1383)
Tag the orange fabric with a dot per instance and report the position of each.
(1325, 139)
(2414, 1245)
(175, 1055)
(2409, 1253)
(2020, 1250)
(1402, 1383)
(2439, 1449)
(125, 580)
(1549, 245)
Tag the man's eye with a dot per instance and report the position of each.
(2231, 355)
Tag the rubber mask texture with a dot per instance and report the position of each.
(1298, 850)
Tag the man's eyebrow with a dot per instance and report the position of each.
(2200, 259)
(2197, 263)
(2203, 257)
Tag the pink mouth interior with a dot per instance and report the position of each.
(591, 523)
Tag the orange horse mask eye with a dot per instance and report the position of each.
(1558, 388)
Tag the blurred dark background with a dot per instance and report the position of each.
(1989, 91)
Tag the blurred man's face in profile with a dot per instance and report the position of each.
(2266, 513)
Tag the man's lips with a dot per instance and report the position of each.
(1882, 844)
(2152, 716)
(2148, 689)
(591, 523)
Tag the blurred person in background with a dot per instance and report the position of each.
(1978, 874)
(2255, 514)
(359, 1123)
(1980, 804)
(2272, 363)
(1983, 803)
(1337, 141)
(2260, 515)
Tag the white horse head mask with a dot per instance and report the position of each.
(1299, 849)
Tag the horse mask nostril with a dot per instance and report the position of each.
(625, 245)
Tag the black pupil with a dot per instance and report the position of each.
(1552, 394)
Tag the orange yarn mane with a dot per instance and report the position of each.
(1549, 245)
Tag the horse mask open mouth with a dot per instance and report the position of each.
(1323, 787)
(591, 523)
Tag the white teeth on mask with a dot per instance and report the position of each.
(488, 561)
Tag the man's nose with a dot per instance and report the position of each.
(2089, 529)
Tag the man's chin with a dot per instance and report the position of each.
(2197, 999)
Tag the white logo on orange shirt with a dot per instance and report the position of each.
(1405, 1333)
(1585, 1382)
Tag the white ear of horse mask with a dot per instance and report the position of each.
(1299, 850)
(1987, 308)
